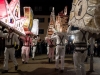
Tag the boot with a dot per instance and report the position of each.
(61, 71)
(16, 67)
(49, 60)
(5, 71)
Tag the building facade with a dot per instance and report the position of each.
(43, 24)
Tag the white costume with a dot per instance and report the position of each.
(80, 53)
(10, 39)
(51, 48)
(27, 42)
(47, 49)
(60, 48)
(34, 47)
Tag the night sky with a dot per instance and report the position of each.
(58, 4)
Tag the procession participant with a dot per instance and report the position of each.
(60, 47)
(51, 48)
(27, 41)
(35, 39)
(47, 37)
(10, 39)
(80, 52)
(47, 49)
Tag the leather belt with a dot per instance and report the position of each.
(81, 44)
(61, 44)
(26, 45)
(82, 51)
(9, 46)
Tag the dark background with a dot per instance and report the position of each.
(45, 4)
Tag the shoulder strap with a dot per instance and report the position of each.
(61, 39)
(51, 41)
(25, 39)
(8, 37)
(12, 38)
(29, 41)
(84, 33)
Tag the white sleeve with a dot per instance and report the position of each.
(16, 39)
(4, 35)
(70, 32)
(55, 31)
(66, 36)
(53, 36)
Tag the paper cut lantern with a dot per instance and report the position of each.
(84, 15)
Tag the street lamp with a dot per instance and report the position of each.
(72, 37)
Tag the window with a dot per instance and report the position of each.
(50, 8)
(41, 31)
(40, 8)
(41, 20)
(36, 8)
